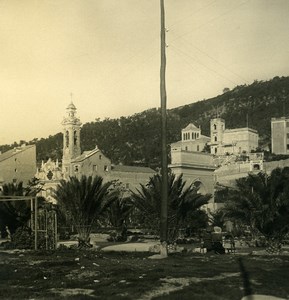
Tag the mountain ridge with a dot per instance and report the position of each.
(135, 140)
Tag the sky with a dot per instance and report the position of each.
(105, 56)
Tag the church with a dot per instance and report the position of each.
(89, 163)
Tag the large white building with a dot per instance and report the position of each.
(197, 167)
(280, 135)
(232, 141)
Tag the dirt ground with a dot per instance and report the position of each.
(92, 274)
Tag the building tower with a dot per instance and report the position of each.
(191, 133)
(280, 135)
(71, 139)
(217, 130)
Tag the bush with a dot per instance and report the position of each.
(22, 238)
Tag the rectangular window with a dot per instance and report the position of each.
(94, 168)
(198, 148)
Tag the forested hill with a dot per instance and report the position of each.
(135, 140)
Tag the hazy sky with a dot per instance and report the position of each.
(106, 52)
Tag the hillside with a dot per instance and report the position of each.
(135, 140)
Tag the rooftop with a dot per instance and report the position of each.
(241, 129)
(85, 155)
(133, 169)
(15, 151)
(191, 126)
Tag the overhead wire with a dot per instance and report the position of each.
(189, 16)
(183, 59)
(211, 20)
(212, 70)
(213, 59)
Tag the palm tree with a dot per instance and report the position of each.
(262, 202)
(14, 213)
(182, 201)
(85, 199)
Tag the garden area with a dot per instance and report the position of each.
(239, 250)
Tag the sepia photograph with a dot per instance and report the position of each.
(144, 149)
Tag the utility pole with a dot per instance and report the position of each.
(164, 160)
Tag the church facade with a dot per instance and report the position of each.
(89, 163)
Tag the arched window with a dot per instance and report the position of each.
(256, 167)
(67, 138)
(215, 126)
(215, 138)
(75, 137)
(200, 186)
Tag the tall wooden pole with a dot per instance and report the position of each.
(164, 160)
(35, 223)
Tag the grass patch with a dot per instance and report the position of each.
(73, 274)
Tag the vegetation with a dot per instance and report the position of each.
(85, 200)
(134, 140)
(262, 203)
(15, 214)
(182, 202)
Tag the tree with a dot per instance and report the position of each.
(262, 202)
(181, 202)
(85, 199)
(16, 214)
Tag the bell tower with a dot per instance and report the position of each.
(71, 139)
(217, 131)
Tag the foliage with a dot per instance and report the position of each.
(16, 214)
(197, 220)
(181, 202)
(85, 199)
(262, 202)
(23, 238)
(119, 212)
(217, 218)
